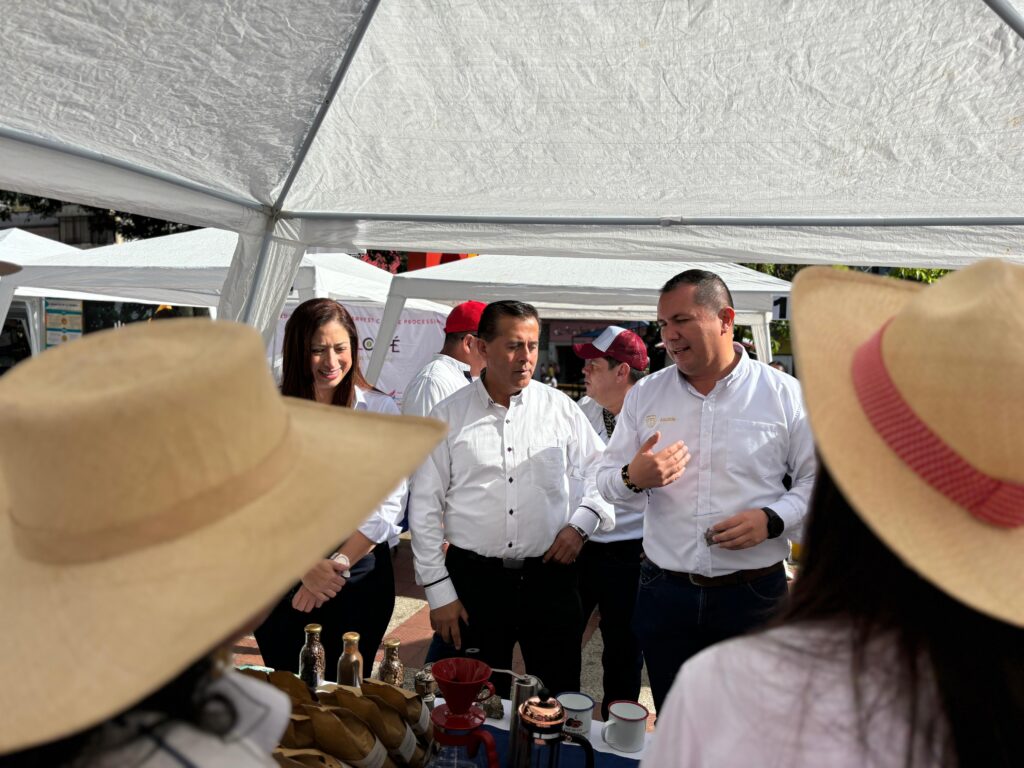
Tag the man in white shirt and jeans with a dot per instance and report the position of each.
(708, 441)
(451, 369)
(499, 487)
(610, 561)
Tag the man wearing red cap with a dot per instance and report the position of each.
(610, 561)
(455, 366)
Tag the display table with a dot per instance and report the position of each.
(572, 755)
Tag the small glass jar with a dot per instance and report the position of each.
(312, 661)
(350, 663)
(392, 670)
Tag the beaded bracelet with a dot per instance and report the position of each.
(629, 484)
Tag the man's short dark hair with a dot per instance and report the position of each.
(712, 292)
(496, 310)
(456, 338)
(634, 374)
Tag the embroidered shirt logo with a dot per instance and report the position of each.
(650, 421)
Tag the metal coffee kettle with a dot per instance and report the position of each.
(539, 738)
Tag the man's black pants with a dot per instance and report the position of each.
(536, 605)
(609, 575)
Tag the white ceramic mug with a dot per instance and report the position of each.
(579, 711)
(626, 726)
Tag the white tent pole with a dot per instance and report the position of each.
(762, 338)
(673, 221)
(388, 324)
(307, 142)
(1006, 11)
(6, 297)
(96, 157)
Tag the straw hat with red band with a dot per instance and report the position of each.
(915, 399)
(156, 492)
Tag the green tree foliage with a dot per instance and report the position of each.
(129, 226)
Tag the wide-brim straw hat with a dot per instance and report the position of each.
(915, 400)
(157, 493)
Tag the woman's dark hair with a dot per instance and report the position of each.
(296, 373)
(496, 310)
(185, 699)
(847, 574)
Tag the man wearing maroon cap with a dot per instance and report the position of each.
(455, 366)
(610, 561)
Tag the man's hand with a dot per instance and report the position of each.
(741, 531)
(654, 470)
(305, 601)
(324, 580)
(566, 547)
(445, 621)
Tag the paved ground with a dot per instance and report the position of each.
(411, 624)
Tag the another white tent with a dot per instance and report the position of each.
(868, 132)
(585, 288)
(189, 269)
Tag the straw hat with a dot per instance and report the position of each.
(914, 395)
(156, 493)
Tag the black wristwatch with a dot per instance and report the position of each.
(775, 524)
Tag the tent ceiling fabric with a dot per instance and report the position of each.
(572, 128)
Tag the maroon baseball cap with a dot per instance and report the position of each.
(464, 317)
(618, 344)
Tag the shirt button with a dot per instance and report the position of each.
(510, 511)
(508, 421)
(509, 449)
(510, 545)
(510, 479)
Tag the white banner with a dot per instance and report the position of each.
(418, 338)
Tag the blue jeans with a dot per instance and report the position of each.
(675, 619)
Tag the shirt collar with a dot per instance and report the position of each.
(449, 360)
(739, 372)
(485, 398)
(360, 403)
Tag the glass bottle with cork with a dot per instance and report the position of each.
(350, 663)
(312, 661)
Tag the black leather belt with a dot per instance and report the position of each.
(508, 563)
(728, 579)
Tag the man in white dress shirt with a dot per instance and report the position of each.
(457, 364)
(708, 441)
(610, 562)
(499, 488)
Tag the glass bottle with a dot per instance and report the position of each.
(350, 663)
(391, 670)
(312, 662)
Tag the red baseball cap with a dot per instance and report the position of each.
(464, 317)
(618, 344)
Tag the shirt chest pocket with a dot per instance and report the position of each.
(547, 468)
(755, 448)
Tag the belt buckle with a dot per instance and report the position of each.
(512, 564)
(698, 580)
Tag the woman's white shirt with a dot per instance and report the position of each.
(385, 522)
(785, 698)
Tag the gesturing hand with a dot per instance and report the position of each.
(304, 600)
(654, 470)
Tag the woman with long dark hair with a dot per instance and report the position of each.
(903, 640)
(353, 589)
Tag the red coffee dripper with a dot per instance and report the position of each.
(457, 722)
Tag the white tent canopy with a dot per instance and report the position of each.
(878, 132)
(562, 287)
(188, 269)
